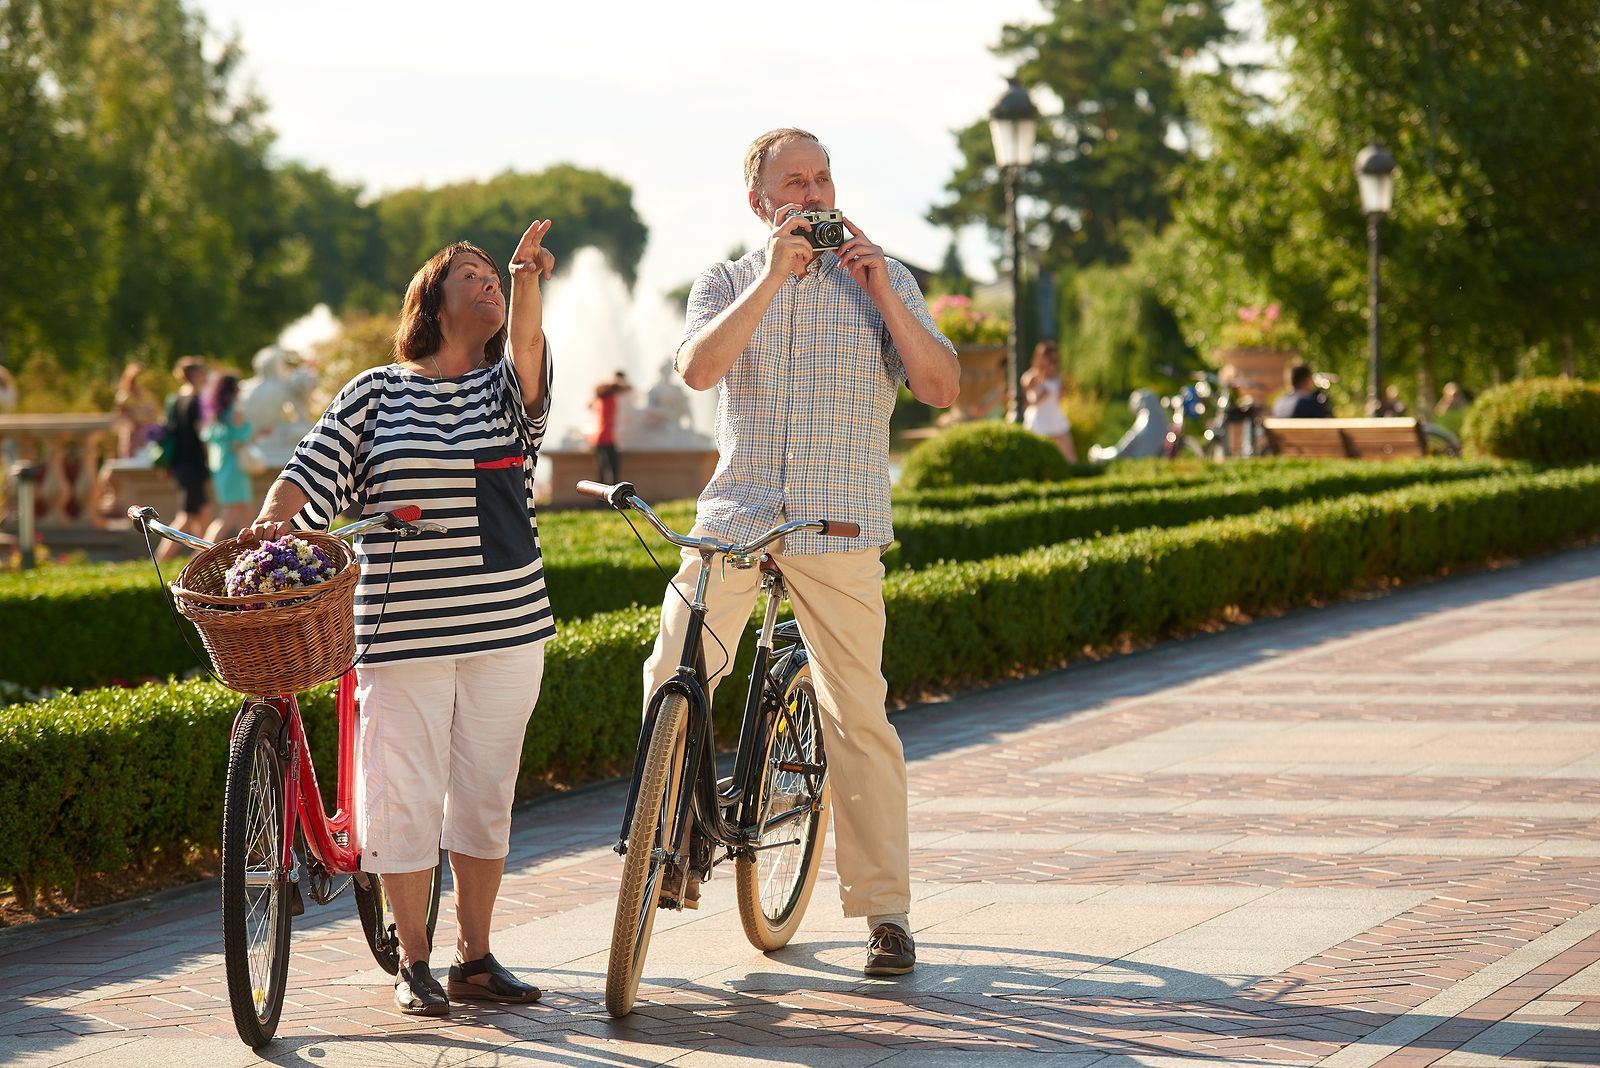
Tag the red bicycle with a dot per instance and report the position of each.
(272, 796)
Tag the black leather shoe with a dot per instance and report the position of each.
(502, 985)
(418, 993)
(890, 951)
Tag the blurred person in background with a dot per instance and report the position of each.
(138, 412)
(190, 467)
(226, 434)
(607, 395)
(1041, 390)
(1304, 400)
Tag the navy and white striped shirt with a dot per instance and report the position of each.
(462, 449)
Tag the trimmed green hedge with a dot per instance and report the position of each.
(1545, 420)
(89, 626)
(929, 535)
(90, 781)
(966, 622)
(1125, 476)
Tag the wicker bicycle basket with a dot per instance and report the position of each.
(272, 643)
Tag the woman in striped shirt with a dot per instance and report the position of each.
(450, 627)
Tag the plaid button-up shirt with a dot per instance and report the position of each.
(803, 413)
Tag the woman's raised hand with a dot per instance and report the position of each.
(532, 259)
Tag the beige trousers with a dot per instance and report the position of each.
(838, 601)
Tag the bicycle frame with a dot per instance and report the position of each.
(328, 838)
(698, 797)
(726, 817)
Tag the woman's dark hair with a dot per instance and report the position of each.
(219, 397)
(419, 334)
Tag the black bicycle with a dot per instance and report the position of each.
(770, 816)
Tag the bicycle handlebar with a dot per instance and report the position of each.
(622, 497)
(406, 520)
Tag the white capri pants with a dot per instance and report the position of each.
(441, 741)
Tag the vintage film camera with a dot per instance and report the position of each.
(827, 228)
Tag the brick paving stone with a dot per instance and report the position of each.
(1476, 923)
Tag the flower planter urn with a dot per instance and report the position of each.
(983, 384)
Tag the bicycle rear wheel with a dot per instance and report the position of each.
(377, 918)
(774, 886)
(654, 810)
(255, 882)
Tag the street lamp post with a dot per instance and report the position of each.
(1375, 177)
(1012, 124)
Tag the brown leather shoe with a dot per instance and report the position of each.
(890, 951)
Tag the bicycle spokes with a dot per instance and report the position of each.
(263, 870)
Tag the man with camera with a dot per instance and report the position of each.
(809, 338)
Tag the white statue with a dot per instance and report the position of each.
(1146, 437)
(277, 403)
(663, 421)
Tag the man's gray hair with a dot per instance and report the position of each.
(756, 155)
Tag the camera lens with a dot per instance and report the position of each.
(830, 235)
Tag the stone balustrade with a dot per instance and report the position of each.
(70, 452)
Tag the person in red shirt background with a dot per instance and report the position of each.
(604, 439)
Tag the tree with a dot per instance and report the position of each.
(46, 190)
(1105, 158)
(1124, 334)
(1493, 246)
(343, 236)
(142, 194)
(590, 208)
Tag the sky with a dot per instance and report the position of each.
(664, 96)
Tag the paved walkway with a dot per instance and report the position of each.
(1364, 835)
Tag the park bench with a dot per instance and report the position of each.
(1360, 439)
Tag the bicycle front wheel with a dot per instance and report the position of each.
(255, 882)
(377, 918)
(774, 886)
(654, 810)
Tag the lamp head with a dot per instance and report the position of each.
(1375, 176)
(1013, 124)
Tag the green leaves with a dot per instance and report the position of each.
(1545, 420)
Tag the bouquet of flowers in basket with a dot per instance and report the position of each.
(273, 566)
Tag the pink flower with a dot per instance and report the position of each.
(1272, 313)
(1247, 315)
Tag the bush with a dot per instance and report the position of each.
(91, 781)
(960, 623)
(983, 452)
(926, 535)
(95, 625)
(1545, 420)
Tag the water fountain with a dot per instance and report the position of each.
(597, 327)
